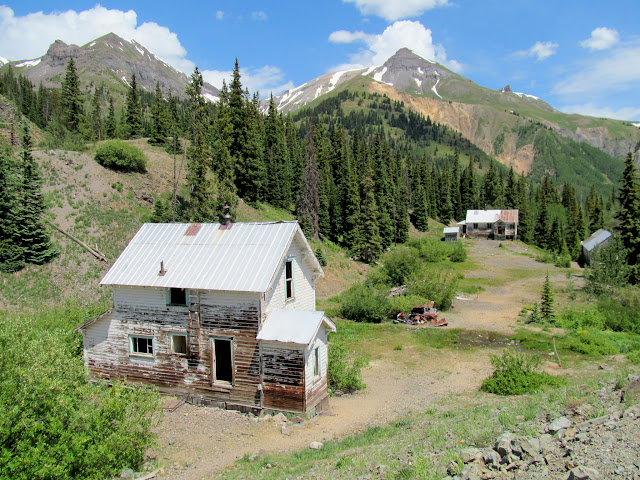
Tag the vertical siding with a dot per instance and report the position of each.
(283, 371)
(303, 281)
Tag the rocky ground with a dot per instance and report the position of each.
(576, 446)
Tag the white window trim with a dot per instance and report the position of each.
(317, 365)
(141, 354)
(291, 260)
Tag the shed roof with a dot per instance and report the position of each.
(491, 216)
(294, 326)
(595, 239)
(451, 229)
(244, 257)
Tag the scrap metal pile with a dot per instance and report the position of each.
(426, 315)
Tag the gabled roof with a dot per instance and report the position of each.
(595, 239)
(451, 230)
(244, 257)
(491, 216)
(294, 326)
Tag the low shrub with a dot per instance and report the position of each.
(618, 316)
(516, 373)
(121, 156)
(563, 261)
(459, 254)
(433, 250)
(363, 303)
(435, 284)
(344, 375)
(634, 357)
(404, 303)
(400, 264)
(590, 343)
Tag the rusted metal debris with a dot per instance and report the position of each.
(426, 315)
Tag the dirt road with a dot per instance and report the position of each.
(198, 442)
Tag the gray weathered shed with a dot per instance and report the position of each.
(590, 245)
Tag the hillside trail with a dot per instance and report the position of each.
(199, 442)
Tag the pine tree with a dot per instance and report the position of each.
(420, 216)
(542, 230)
(158, 118)
(198, 155)
(71, 98)
(629, 215)
(96, 114)
(111, 127)
(133, 117)
(251, 172)
(468, 189)
(309, 199)
(11, 251)
(547, 310)
(368, 244)
(34, 237)
(595, 210)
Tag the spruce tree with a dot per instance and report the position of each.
(158, 118)
(595, 210)
(72, 99)
(133, 117)
(11, 251)
(542, 230)
(368, 244)
(629, 215)
(420, 216)
(547, 309)
(251, 172)
(96, 114)
(34, 237)
(309, 199)
(111, 127)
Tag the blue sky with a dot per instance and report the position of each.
(579, 56)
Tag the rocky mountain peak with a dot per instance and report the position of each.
(506, 89)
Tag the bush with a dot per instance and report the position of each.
(634, 357)
(433, 250)
(119, 155)
(404, 303)
(365, 304)
(516, 373)
(322, 260)
(435, 284)
(400, 264)
(341, 374)
(459, 254)
(563, 261)
(590, 343)
(56, 425)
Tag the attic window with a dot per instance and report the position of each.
(177, 297)
(288, 279)
(193, 230)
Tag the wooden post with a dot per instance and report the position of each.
(93, 252)
(555, 350)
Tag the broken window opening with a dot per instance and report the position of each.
(179, 344)
(288, 279)
(222, 356)
(178, 297)
(142, 345)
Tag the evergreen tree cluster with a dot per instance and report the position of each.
(23, 235)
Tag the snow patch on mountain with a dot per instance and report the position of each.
(3, 61)
(435, 90)
(29, 63)
(139, 49)
(418, 81)
(92, 44)
(378, 76)
(520, 94)
(420, 71)
(124, 79)
(211, 98)
(636, 124)
(369, 70)
(334, 80)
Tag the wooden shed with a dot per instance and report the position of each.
(224, 314)
(451, 234)
(590, 245)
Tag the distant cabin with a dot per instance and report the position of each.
(591, 245)
(492, 224)
(451, 234)
(223, 314)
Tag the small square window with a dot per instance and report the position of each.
(179, 344)
(142, 345)
(178, 297)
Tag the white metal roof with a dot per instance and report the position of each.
(294, 326)
(242, 258)
(491, 216)
(451, 229)
(596, 239)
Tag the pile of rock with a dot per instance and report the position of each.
(569, 447)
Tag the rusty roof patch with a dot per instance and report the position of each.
(193, 230)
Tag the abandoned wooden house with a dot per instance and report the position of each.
(451, 234)
(493, 224)
(591, 245)
(224, 314)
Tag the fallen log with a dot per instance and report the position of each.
(93, 252)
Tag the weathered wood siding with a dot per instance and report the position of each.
(143, 311)
(283, 372)
(316, 387)
(303, 284)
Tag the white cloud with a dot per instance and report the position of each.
(540, 50)
(618, 71)
(625, 113)
(406, 33)
(29, 36)
(264, 80)
(259, 16)
(601, 39)
(219, 15)
(396, 10)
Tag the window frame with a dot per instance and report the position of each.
(289, 283)
(172, 350)
(214, 354)
(317, 370)
(180, 305)
(133, 345)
